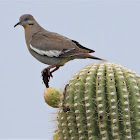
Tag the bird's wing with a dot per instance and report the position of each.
(55, 45)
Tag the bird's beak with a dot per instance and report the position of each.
(19, 23)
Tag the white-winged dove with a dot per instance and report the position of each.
(49, 47)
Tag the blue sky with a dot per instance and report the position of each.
(111, 28)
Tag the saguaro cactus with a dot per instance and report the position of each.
(101, 102)
(52, 97)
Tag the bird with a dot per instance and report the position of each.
(51, 48)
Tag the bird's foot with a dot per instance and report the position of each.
(46, 77)
(46, 74)
(47, 70)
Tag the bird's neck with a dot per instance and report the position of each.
(30, 30)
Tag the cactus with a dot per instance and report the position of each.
(56, 135)
(52, 97)
(101, 102)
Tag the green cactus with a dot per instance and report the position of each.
(101, 102)
(56, 135)
(52, 97)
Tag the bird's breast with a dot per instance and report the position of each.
(57, 61)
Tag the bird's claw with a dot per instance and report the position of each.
(46, 74)
(51, 75)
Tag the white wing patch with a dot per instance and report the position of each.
(51, 53)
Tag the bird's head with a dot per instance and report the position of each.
(26, 20)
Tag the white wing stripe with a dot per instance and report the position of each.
(51, 53)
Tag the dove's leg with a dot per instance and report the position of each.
(54, 70)
(46, 74)
(48, 69)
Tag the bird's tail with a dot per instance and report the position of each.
(86, 55)
(97, 58)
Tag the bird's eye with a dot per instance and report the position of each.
(26, 18)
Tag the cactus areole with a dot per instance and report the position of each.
(101, 102)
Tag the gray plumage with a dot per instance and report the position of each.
(49, 47)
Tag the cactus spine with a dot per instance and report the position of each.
(104, 104)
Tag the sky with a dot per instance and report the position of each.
(111, 28)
